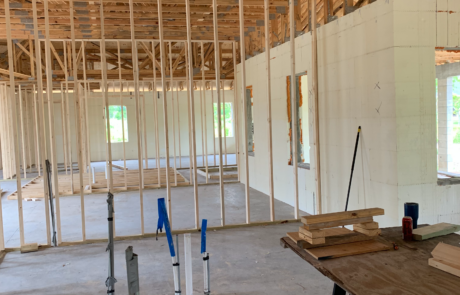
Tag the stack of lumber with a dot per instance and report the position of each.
(446, 258)
(322, 231)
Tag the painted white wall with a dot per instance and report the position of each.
(97, 125)
(376, 70)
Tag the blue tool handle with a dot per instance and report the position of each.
(204, 226)
(163, 218)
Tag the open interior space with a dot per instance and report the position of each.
(230, 147)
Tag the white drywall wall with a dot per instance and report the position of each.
(376, 70)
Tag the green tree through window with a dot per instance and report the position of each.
(226, 113)
(456, 105)
(116, 124)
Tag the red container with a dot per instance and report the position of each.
(407, 228)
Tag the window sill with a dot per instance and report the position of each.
(448, 179)
(304, 166)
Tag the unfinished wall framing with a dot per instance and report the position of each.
(108, 106)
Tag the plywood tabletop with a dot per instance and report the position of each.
(403, 271)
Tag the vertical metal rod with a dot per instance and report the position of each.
(353, 167)
(178, 264)
(207, 284)
(110, 282)
(50, 193)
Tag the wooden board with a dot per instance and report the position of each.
(348, 249)
(434, 230)
(119, 167)
(346, 215)
(312, 241)
(327, 232)
(350, 237)
(338, 223)
(444, 266)
(313, 234)
(29, 248)
(447, 253)
(367, 232)
(368, 225)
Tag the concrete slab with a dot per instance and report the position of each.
(127, 212)
(246, 261)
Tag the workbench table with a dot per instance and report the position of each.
(403, 271)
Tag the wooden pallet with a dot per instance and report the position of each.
(35, 188)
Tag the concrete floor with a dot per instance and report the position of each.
(244, 261)
(127, 212)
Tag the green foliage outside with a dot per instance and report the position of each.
(456, 111)
(116, 127)
(226, 113)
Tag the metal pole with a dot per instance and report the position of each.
(207, 284)
(353, 166)
(132, 269)
(50, 193)
(177, 267)
(110, 282)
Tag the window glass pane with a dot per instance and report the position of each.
(227, 116)
(117, 125)
(456, 124)
(303, 120)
